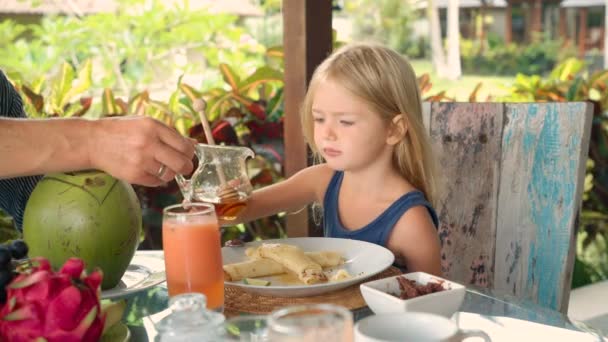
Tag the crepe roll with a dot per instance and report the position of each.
(294, 259)
(252, 269)
(323, 258)
(326, 258)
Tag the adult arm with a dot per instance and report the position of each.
(131, 148)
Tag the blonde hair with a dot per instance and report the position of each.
(387, 82)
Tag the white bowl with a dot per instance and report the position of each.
(378, 295)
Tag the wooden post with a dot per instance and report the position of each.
(307, 40)
(605, 48)
(563, 25)
(537, 18)
(509, 23)
(582, 31)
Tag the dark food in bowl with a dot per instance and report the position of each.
(410, 288)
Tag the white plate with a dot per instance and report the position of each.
(362, 260)
(144, 272)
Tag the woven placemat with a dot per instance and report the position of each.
(238, 301)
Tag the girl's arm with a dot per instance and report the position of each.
(299, 190)
(415, 241)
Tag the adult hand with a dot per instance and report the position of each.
(139, 150)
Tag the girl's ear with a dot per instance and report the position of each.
(397, 130)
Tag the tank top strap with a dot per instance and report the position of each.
(330, 204)
(392, 215)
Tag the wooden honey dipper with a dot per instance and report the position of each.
(227, 193)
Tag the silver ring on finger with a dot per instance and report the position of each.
(161, 171)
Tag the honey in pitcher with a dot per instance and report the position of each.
(230, 210)
(227, 208)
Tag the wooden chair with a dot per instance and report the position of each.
(510, 194)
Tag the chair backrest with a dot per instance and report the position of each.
(510, 193)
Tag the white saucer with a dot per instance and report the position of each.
(144, 272)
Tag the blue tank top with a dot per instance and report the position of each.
(380, 228)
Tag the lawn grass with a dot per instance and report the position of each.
(493, 87)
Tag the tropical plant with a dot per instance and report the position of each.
(135, 46)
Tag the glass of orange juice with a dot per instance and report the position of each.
(193, 256)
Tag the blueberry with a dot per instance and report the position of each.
(19, 249)
(5, 277)
(5, 257)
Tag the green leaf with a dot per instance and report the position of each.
(593, 215)
(139, 103)
(108, 103)
(85, 324)
(581, 274)
(261, 75)
(274, 105)
(230, 76)
(174, 101)
(113, 312)
(595, 94)
(214, 108)
(567, 69)
(571, 95)
(215, 92)
(36, 100)
(190, 92)
(83, 82)
(276, 52)
(599, 78)
(61, 87)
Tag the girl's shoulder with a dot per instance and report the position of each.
(315, 177)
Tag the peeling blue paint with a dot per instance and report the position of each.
(548, 184)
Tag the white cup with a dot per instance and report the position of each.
(311, 323)
(412, 326)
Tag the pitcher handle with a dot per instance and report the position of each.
(185, 185)
(463, 334)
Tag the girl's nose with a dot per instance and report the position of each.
(328, 132)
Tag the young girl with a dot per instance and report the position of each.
(362, 115)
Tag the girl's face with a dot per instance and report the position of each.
(347, 133)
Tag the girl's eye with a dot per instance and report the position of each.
(346, 123)
(318, 120)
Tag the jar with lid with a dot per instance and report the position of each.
(189, 320)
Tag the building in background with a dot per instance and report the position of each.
(578, 23)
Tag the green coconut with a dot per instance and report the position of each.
(88, 215)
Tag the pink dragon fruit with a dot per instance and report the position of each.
(55, 306)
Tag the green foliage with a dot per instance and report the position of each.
(418, 48)
(130, 49)
(499, 58)
(385, 21)
(570, 81)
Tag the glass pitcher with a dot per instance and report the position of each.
(221, 178)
